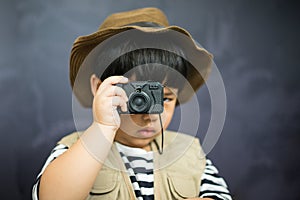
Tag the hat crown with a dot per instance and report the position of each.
(120, 19)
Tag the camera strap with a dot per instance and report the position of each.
(160, 150)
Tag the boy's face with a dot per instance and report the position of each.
(138, 130)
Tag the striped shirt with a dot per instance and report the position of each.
(139, 164)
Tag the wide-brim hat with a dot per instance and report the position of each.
(157, 25)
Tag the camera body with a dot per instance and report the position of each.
(144, 97)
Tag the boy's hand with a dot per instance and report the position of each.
(106, 100)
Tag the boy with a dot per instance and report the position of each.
(132, 156)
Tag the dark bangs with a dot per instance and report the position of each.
(166, 67)
(149, 64)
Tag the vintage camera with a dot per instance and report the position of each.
(144, 97)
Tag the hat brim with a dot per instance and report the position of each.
(200, 58)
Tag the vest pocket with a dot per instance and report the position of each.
(105, 186)
(182, 186)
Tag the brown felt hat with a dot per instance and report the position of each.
(118, 23)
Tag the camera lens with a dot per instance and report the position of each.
(139, 102)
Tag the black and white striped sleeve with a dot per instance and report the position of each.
(57, 151)
(212, 185)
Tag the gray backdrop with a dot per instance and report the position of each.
(255, 44)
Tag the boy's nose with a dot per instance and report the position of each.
(150, 117)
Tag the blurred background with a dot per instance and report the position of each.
(256, 47)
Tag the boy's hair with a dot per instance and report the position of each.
(166, 67)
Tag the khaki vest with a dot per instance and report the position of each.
(177, 172)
